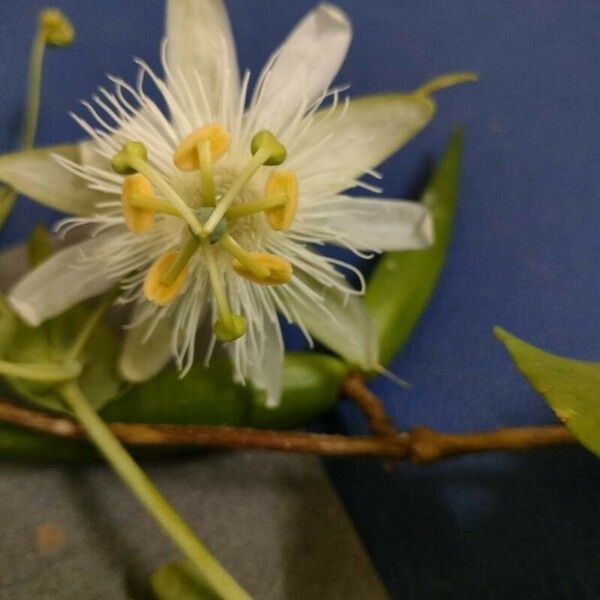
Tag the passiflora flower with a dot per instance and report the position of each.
(213, 211)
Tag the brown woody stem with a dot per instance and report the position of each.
(421, 445)
(354, 387)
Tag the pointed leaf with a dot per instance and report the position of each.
(39, 245)
(571, 387)
(413, 275)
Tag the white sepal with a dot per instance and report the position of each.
(341, 322)
(146, 352)
(303, 67)
(60, 282)
(382, 225)
(38, 175)
(200, 46)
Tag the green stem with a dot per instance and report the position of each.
(183, 258)
(141, 166)
(42, 372)
(231, 246)
(208, 182)
(152, 500)
(150, 203)
(86, 331)
(217, 285)
(255, 163)
(260, 205)
(34, 86)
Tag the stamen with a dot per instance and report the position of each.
(133, 157)
(208, 181)
(282, 183)
(138, 219)
(186, 157)
(155, 289)
(255, 206)
(246, 259)
(152, 204)
(280, 270)
(266, 150)
(229, 326)
(181, 261)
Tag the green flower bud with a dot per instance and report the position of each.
(57, 29)
(265, 140)
(226, 332)
(121, 162)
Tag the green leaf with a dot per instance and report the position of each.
(7, 201)
(571, 387)
(412, 275)
(37, 174)
(179, 580)
(39, 245)
(209, 396)
(51, 343)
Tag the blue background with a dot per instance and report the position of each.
(525, 255)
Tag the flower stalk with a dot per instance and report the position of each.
(152, 500)
(53, 29)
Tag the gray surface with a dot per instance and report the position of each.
(273, 520)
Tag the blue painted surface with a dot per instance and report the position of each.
(525, 255)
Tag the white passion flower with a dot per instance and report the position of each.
(212, 212)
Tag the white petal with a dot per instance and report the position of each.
(379, 224)
(200, 44)
(302, 69)
(143, 357)
(352, 139)
(37, 174)
(267, 374)
(340, 322)
(57, 284)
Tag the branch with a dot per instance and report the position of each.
(421, 445)
(354, 387)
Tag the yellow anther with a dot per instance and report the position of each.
(186, 156)
(56, 28)
(280, 270)
(155, 289)
(282, 183)
(138, 220)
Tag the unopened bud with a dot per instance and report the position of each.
(57, 28)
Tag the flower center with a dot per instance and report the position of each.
(211, 219)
